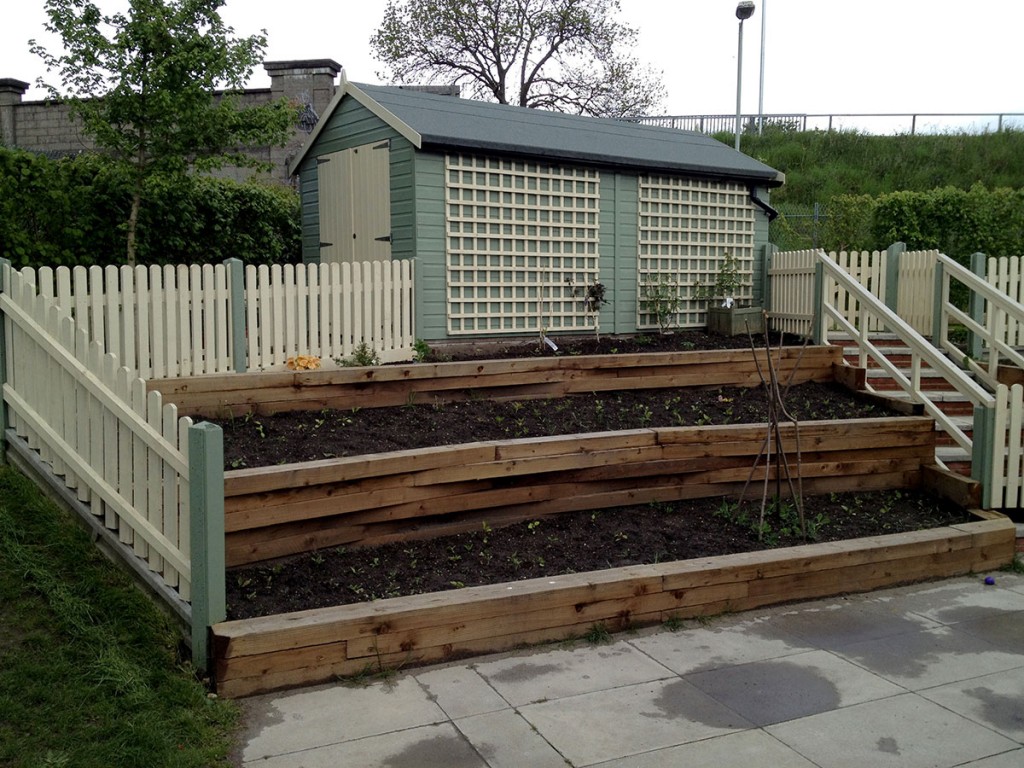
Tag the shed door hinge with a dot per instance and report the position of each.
(326, 245)
(383, 239)
(383, 145)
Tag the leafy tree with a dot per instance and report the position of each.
(565, 55)
(144, 86)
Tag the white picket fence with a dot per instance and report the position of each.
(171, 321)
(328, 310)
(792, 287)
(116, 445)
(1005, 482)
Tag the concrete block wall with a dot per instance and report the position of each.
(44, 126)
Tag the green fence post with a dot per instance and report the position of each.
(206, 499)
(5, 265)
(892, 275)
(976, 306)
(818, 333)
(236, 308)
(982, 451)
(937, 304)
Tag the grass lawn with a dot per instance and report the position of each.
(89, 671)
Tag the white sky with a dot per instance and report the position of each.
(854, 56)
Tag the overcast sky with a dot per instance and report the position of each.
(821, 56)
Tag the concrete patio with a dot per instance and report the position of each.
(924, 675)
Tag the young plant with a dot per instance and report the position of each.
(663, 300)
(727, 286)
(362, 356)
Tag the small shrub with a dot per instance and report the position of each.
(362, 356)
(662, 300)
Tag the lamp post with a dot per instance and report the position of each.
(743, 12)
(760, 90)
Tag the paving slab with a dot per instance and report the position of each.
(556, 674)
(431, 746)
(460, 691)
(506, 740)
(927, 659)
(630, 720)
(302, 720)
(1014, 759)
(839, 623)
(956, 600)
(720, 644)
(995, 701)
(746, 748)
(777, 690)
(904, 731)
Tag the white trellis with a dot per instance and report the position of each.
(523, 244)
(686, 228)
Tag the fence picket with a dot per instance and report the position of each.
(140, 463)
(68, 388)
(154, 478)
(111, 439)
(277, 327)
(125, 465)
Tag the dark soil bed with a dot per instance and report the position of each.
(566, 543)
(297, 436)
(570, 543)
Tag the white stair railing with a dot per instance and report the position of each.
(1001, 312)
(871, 313)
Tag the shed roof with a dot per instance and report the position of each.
(429, 120)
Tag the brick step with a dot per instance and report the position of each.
(950, 402)
(881, 381)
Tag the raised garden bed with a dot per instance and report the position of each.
(361, 500)
(315, 646)
(235, 395)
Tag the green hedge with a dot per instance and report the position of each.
(73, 211)
(957, 222)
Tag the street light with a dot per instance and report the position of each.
(760, 91)
(743, 12)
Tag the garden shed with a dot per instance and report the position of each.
(511, 214)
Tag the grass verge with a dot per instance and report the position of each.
(89, 669)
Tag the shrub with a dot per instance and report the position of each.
(72, 211)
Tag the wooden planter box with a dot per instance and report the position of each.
(281, 509)
(736, 320)
(284, 510)
(224, 395)
(307, 647)
(358, 501)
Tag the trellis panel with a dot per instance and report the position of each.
(523, 245)
(687, 227)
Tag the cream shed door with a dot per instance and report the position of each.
(355, 204)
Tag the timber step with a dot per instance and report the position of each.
(933, 386)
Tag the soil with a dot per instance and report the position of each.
(572, 542)
(569, 542)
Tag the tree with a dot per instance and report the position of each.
(144, 86)
(565, 55)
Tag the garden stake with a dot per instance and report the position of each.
(775, 405)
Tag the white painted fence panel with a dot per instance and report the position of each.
(792, 280)
(169, 321)
(1005, 274)
(915, 289)
(1008, 455)
(328, 310)
(115, 445)
(791, 308)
